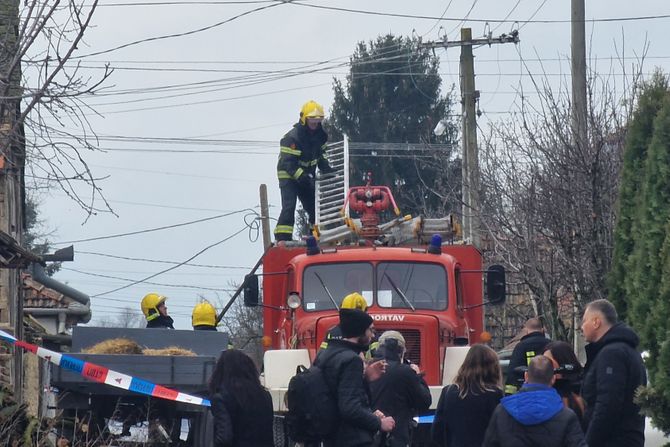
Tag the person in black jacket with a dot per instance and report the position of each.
(301, 150)
(400, 392)
(241, 407)
(345, 373)
(530, 345)
(613, 371)
(466, 406)
(568, 382)
(535, 416)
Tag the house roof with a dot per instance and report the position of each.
(12, 255)
(39, 296)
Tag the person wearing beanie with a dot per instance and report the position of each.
(345, 373)
(401, 392)
(352, 301)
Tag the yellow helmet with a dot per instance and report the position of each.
(150, 304)
(311, 109)
(354, 301)
(203, 314)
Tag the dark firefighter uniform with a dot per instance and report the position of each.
(301, 151)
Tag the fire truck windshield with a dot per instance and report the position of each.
(399, 285)
(337, 279)
(411, 285)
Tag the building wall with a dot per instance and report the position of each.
(12, 156)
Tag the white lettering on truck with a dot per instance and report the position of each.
(387, 317)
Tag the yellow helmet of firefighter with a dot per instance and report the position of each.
(311, 109)
(204, 314)
(150, 304)
(354, 301)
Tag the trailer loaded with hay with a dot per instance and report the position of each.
(177, 359)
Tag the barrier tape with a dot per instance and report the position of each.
(102, 374)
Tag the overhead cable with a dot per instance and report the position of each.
(151, 230)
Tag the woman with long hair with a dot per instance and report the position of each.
(466, 406)
(569, 380)
(241, 407)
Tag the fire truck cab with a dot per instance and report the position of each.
(431, 294)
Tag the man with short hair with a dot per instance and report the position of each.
(400, 392)
(535, 416)
(530, 345)
(345, 373)
(613, 371)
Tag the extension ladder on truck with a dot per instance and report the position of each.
(331, 193)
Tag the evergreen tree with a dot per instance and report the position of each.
(640, 278)
(644, 267)
(392, 95)
(639, 135)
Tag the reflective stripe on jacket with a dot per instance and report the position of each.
(300, 152)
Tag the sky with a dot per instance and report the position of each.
(189, 126)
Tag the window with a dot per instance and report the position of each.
(421, 284)
(338, 280)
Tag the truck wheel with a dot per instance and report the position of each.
(280, 432)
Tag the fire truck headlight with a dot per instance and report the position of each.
(293, 301)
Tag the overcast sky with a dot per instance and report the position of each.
(240, 86)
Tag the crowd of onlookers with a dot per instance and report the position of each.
(547, 399)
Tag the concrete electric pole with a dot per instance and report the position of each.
(469, 98)
(578, 70)
(579, 123)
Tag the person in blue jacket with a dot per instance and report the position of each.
(535, 416)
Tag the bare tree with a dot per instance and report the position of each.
(549, 202)
(42, 95)
(244, 326)
(127, 318)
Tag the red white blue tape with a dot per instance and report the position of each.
(101, 374)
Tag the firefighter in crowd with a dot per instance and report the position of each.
(155, 311)
(301, 151)
(203, 317)
(531, 344)
(351, 301)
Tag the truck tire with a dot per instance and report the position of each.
(280, 433)
(202, 430)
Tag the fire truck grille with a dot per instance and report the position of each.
(412, 344)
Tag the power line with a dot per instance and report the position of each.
(184, 3)
(161, 261)
(185, 33)
(151, 230)
(181, 286)
(448, 19)
(173, 267)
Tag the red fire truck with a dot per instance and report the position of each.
(432, 293)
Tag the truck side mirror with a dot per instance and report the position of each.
(495, 284)
(250, 291)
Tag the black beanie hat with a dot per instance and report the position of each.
(354, 322)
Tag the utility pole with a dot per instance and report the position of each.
(578, 71)
(469, 98)
(265, 216)
(579, 120)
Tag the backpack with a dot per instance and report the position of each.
(312, 407)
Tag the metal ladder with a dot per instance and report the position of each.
(330, 194)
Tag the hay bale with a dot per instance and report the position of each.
(171, 350)
(115, 346)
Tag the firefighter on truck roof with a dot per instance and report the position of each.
(301, 151)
